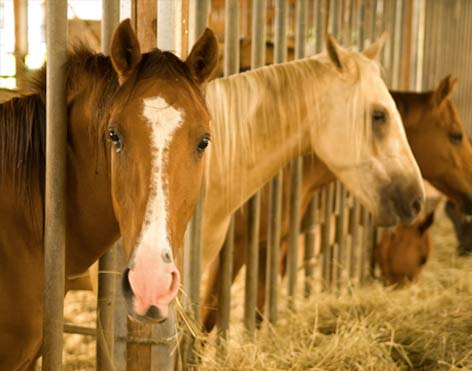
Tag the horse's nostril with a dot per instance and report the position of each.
(416, 205)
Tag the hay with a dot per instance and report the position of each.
(425, 327)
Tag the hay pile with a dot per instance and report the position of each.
(425, 327)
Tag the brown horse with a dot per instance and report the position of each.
(138, 127)
(435, 134)
(404, 250)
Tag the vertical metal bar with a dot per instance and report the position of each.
(280, 55)
(107, 263)
(20, 8)
(326, 246)
(309, 252)
(169, 26)
(193, 242)
(224, 287)
(354, 232)
(296, 169)
(55, 208)
(364, 244)
(231, 66)
(340, 235)
(275, 203)
(397, 46)
(254, 203)
(120, 314)
(198, 22)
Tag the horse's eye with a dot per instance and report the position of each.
(379, 117)
(203, 144)
(455, 137)
(115, 137)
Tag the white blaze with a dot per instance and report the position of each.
(164, 121)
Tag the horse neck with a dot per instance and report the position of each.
(261, 121)
(89, 204)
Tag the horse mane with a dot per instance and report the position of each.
(23, 119)
(238, 104)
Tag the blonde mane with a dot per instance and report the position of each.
(250, 112)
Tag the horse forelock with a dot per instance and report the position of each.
(23, 119)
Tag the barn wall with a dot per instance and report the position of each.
(448, 50)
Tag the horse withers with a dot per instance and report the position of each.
(138, 127)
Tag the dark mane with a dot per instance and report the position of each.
(23, 119)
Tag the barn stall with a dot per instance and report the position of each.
(340, 317)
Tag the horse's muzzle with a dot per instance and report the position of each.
(142, 310)
(400, 204)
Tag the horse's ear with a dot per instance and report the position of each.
(125, 52)
(374, 49)
(334, 51)
(444, 90)
(203, 58)
(426, 223)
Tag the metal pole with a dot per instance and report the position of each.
(254, 203)
(296, 170)
(309, 252)
(106, 264)
(280, 56)
(231, 66)
(354, 232)
(20, 8)
(340, 236)
(224, 287)
(167, 26)
(55, 207)
(326, 246)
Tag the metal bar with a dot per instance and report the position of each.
(231, 66)
(196, 24)
(166, 25)
(106, 264)
(20, 8)
(354, 232)
(340, 236)
(55, 208)
(120, 352)
(254, 203)
(296, 170)
(326, 246)
(276, 185)
(168, 38)
(275, 201)
(224, 287)
(309, 252)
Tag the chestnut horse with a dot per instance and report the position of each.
(436, 135)
(334, 104)
(138, 127)
(403, 251)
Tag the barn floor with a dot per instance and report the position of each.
(425, 327)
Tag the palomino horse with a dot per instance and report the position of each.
(429, 114)
(462, 227)
(138, 127)
(403, 251)
(335, 105)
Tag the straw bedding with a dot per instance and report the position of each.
(425, 327)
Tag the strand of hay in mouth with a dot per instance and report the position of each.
(427, 326)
